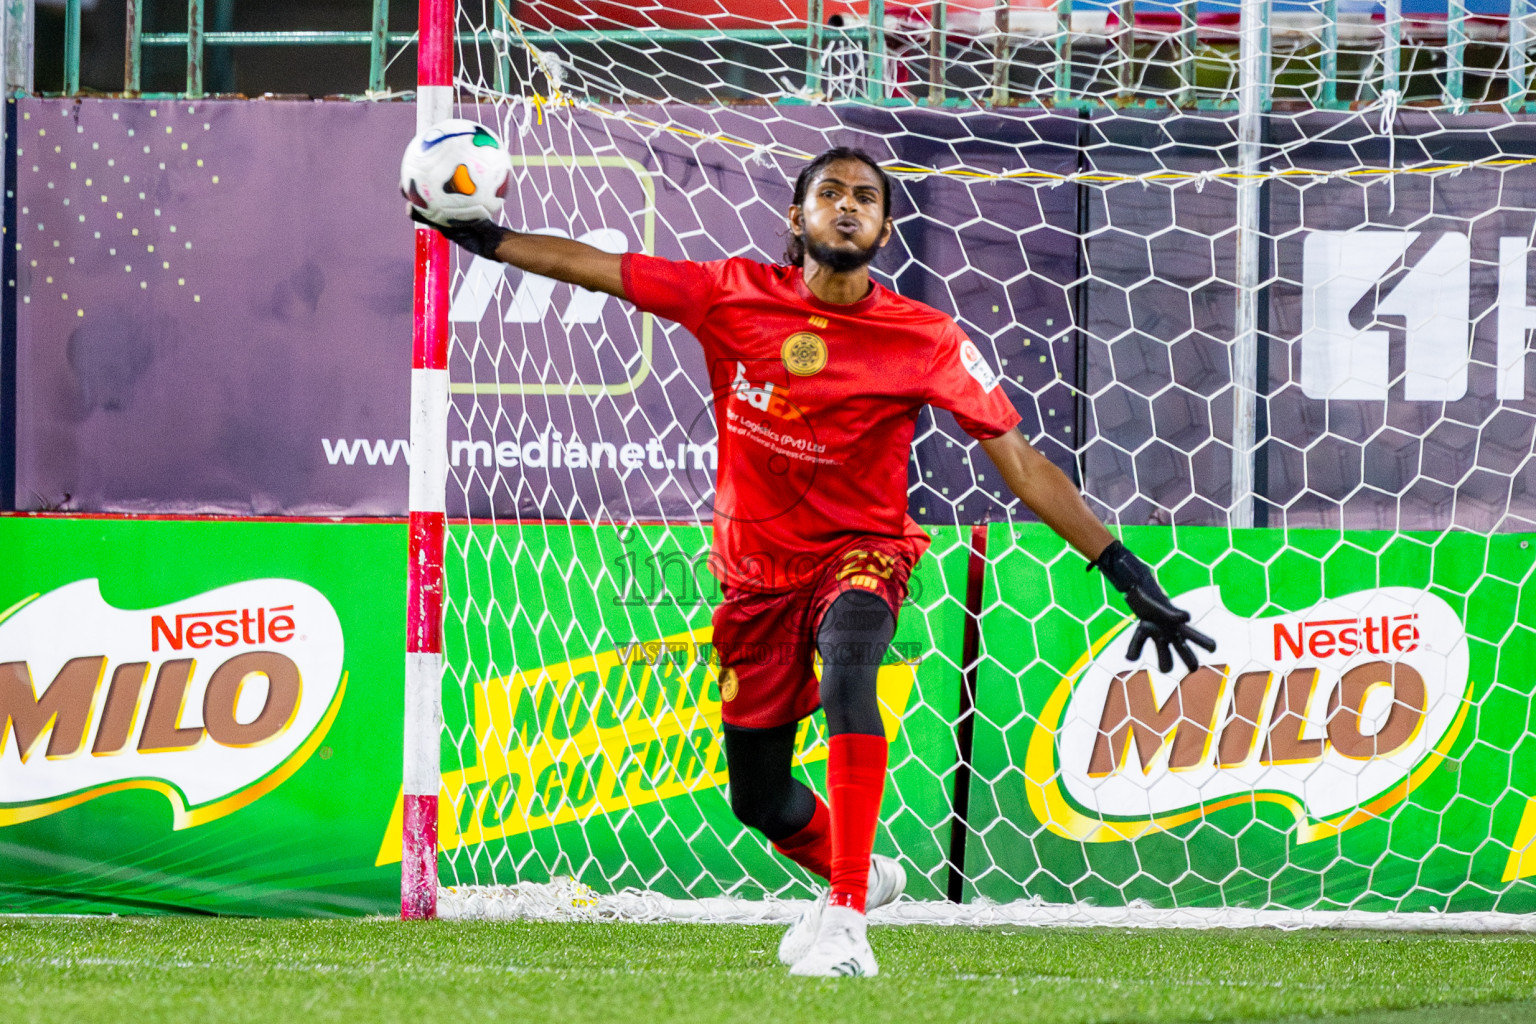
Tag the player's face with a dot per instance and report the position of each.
(842, 218)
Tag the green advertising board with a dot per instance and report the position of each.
(581, 734)
(1360, 739)
(144, 766)
(205, 716)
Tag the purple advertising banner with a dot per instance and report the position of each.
(214, 308)
(215, 304)
(205, 289)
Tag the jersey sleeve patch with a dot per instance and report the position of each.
(975, 365)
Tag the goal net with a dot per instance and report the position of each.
(1256, 277)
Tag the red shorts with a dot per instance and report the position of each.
(766, 642)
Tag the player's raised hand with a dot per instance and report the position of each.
(563, 259)
(1161, 621)
(480, 237)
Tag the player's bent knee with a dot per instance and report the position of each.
(774, 818)
(764, 793)
(748, 811)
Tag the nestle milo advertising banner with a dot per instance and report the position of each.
(1357, 740)
(198, 716)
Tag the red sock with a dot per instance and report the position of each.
(855, 780)
(811, 847)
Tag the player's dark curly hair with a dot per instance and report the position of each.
(794, 249)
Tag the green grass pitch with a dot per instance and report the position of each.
(147, 970)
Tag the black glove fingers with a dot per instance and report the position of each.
(1164, 653)
(1138, 641)
(1188, 656)
(1194, 636)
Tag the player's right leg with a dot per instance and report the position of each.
(767, 684)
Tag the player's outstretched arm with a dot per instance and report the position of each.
(1052, 497)
(560, 258)
(1047, 492)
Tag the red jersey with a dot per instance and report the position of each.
(815, 406)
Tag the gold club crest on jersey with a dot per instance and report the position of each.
(804, 353)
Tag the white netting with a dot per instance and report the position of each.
(1352, 341)
(568, 900)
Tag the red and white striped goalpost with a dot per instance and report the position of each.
(429, 477)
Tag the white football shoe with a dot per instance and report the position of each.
(887, 880)
(841, 949)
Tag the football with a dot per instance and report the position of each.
(456, 171)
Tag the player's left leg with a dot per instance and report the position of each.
(852, 637)
(766, 796)
(767, 684)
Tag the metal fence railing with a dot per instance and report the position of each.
(1327, 54)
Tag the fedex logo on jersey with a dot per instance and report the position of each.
(765, 397)
(1360, 277)
(1333, 713)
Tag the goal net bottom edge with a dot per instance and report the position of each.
(569, 900)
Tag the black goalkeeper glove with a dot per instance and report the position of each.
(480, 237)
(1162, 622)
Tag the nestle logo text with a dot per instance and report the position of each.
(223, 628)
(1326, 638)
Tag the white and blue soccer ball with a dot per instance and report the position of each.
(456, 170)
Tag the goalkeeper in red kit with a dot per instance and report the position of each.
(818, 375)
